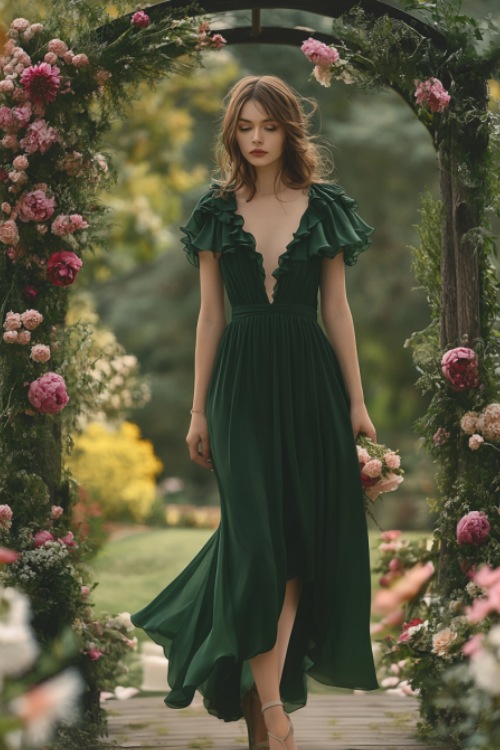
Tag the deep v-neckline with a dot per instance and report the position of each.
(259, 255)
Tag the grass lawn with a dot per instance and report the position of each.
(133, 569)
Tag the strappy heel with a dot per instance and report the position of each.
(281, 740)
(250, 697)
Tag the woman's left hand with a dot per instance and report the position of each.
(361, 422)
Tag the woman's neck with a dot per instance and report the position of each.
(265, 181)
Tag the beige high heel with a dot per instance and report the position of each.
(249, 699)
(281, 740)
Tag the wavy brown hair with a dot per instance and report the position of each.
(304, 161)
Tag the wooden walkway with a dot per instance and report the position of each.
(367, 721)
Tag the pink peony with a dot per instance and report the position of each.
(5, 517)
(40, 353)
(372, 469)
(23, 337)
(42, 82)
(10, 141)
(475, 442)
(432, 94)
(217, 41)
(460, 368)
(6, 86)
(36, 206)
(140, 19)
(319, 53)
(31, 319)
(12, 321)
(473, 528)
(387, 483)
(10, 337)
(39, 137)
(50, 57)
(392, 460)
(363, 455)
(8, 556)
(18, 178)
(41, 538)
(56, 512)
(64, 225)
(468, 423)
(63, 267)
(57, 46)
(20, 24)
(80, 61)
(48, 393)
(323, 75)
(9, 233)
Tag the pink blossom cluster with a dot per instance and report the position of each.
(432, 94)
(441, 436)
(22, 28)
(489, 580)
(319, 53)
(36, 205)
(41, 538)
(206, 40)
(56, 512)
(48, 394)
(18, 326)
(482, 425)
(13, 119)
(39, 137)
(460, 368)
(40, 353)
(473, 528)
(8, 556)
(378, 474)
(395, 571)
(64, 225)
(5, 517)
(409, 628)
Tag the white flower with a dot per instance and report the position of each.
(124, 619)
(18, 647)
(485, 670)
(494, 636)
(46, 704)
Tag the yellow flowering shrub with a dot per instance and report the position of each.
(117, 468)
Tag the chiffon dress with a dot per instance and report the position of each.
(286, 466)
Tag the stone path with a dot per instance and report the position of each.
(366, 721)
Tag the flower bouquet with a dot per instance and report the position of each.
(380, 470)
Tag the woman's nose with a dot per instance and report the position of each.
(256, 136)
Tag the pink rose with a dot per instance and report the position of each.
(363, 455)
(56, 511)
(36, 206)
(468, 423)
(20, 24)
(37, 28)
(432, 94)
(39, 137)
(319, 53)
(80, 61)
(85, 591)
(6, 86)
(40, 353)
(18, 178)
(50, 57)
(42, 83)
(20, 163)
(388, 483)
(475, 442)
(5, 517)
(473, 528)
(94, 654)
(23, 337)
(41, 538)
(12, 321)
(217, 41)
(68, 56)
(64, 225)
(10, 337)
(460, 368)
(10, 141)
(31, 319)
(9, 233)
(391, 535)
(8, 556)
(372, 469)
(57, 46)
(48, 393)
(392, 460)
(140, 19)
(63, 267)
(69, 540)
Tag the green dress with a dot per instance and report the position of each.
(287, 471)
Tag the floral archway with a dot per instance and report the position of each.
(62, 82)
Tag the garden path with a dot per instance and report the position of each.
(363, 721)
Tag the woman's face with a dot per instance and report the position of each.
(261, 140)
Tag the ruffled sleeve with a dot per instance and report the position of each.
(334, 224)
(203, 230)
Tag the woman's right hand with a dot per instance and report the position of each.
(198, 441)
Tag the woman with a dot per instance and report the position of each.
(282, 588)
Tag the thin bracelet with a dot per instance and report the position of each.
(197, 411)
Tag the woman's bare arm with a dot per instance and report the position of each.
(209, 329)
(339, 327)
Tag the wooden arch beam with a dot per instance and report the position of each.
(325, 8)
